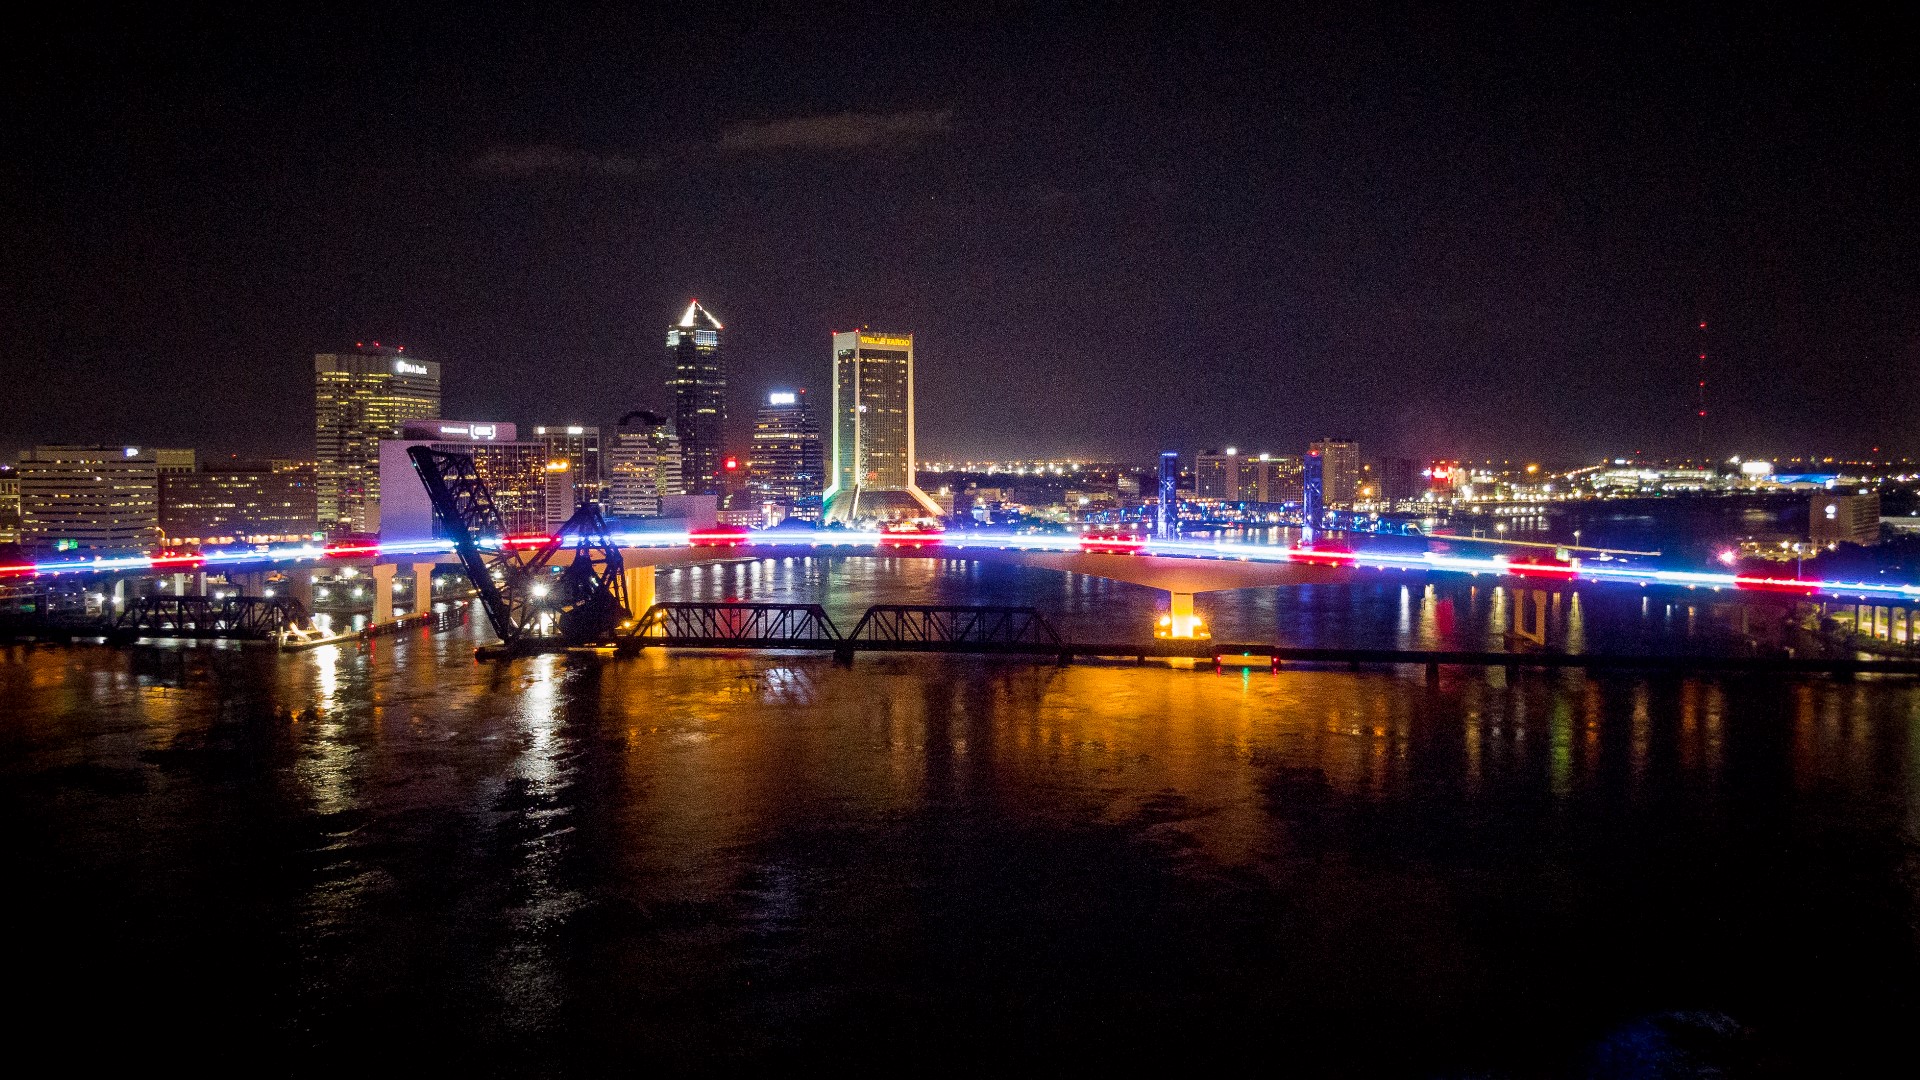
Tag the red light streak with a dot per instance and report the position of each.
(530, 540)
(1323, 554)
(718, 536)
(1541, 570)
(352, 549)
(1779, 585)
(178, 560)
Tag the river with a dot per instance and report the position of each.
(394, 856)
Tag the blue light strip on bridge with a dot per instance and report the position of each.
(857, 541)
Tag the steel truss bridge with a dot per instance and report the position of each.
(990, 630)
(244, 617)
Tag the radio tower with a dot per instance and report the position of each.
(1700, 405)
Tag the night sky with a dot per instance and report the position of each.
(1441, 234)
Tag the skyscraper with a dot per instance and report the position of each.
(1340, 466)
(361, 397)
(1399, 481)
(787, 464)
(699, 387)
(1216, 475)
(643, 465)
(9, 505)
(871, 477)
(579, 446)
(1274, 480)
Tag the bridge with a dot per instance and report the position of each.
(583, 582)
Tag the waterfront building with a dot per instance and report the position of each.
(9, 505)
(93, 498)
(261, 502)
(699, 388)
(1399, 481)
(1216, 475)
(1843, 519)
(1273, 480)
(559, 492)
(787, 464)
(360, 398)
(643, 465)
(1340, 471)
(579, 446)
(515, 471)
(871, 477)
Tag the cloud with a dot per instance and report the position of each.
(547, 159)
(839, 131)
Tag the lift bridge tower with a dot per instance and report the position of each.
(532, 597)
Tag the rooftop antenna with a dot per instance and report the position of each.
(1700, 403)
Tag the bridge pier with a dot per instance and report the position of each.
(422, 587)
(297, 584)
(640, 591)
(1181, 611)
(382, 592)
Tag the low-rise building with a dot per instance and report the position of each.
(1844, 519)
(93, 498)
(260, 502)
(514, 471)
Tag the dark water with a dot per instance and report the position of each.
(396, 857)
(1381, 609)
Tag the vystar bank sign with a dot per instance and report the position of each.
(471, 432)
(402, 367)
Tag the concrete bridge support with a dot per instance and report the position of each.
(382, 574)
(640, 590)
(1184, 622)
(422, 587)
(297, 584)
(1530, 611)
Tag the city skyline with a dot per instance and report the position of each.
(556, 540)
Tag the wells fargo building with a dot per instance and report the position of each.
(872, 474)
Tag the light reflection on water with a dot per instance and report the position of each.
(1381, 609)
(730, 858)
